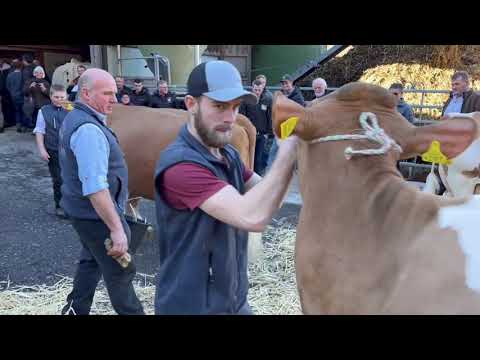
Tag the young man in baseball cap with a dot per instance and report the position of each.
(207, 200)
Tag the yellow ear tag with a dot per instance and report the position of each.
(287, 127)
(434, 155)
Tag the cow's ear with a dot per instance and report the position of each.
(454, 136)
(282, 109)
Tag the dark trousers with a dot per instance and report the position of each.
(272, 153)
(33, 120)
(261, 154)
(8, 111)
(94, 262)
(54, 168)
(20, 118)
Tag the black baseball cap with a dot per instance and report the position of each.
(286, 77)
(218, 80)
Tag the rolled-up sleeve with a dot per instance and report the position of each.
(91, 149)
(40, 126)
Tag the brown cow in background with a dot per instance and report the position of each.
(367, 242)
(144, 132)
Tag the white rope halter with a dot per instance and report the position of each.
(372, 132)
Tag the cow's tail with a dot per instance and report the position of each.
(251, 131)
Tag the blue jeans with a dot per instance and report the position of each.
(273, 153)
(261, 154)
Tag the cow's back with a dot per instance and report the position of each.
(144, 132)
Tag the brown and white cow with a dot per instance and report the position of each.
(462, 176)
(367, 242)
(144, 132)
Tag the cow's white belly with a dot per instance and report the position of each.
(464, 219)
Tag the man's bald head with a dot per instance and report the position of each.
(92, 76)
(97, 89)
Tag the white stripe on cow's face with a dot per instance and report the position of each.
(464, 219)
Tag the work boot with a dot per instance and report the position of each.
(60, 213)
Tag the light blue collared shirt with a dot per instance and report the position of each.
(40, 126)
(455, 105)
(91, 149)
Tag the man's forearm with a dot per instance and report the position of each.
(105, 208)
(266, 197)
(40, 143)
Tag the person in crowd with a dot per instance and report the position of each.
(140, 95)
(125, 99)
(122, 88)
(94, 196)
(14, 85)
(462, 99)
(72, 89)
(260, 114)
(38, 90)
(163, 98)
(49, 120)
(403, 108)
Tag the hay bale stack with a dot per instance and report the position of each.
(413, 76)
(415, 66)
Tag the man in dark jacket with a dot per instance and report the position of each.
(122, 88)
(14, 85)
(162, 98)
(462, 99)
(7, 105)
(260, 115)
(291, 91)
(207, 200)
(265, 92)
(72, 89)
(27, 71)
(140, 95)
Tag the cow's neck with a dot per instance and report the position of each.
(364, 191)
(358, 220)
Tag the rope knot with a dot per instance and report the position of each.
(372, 131)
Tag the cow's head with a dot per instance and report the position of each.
(338, 113)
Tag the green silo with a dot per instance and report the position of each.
(276, 60)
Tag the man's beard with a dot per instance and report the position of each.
(210, 138)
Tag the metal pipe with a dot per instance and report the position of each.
(119, 63)
(423, 166)
(157, 68)
(196, 53)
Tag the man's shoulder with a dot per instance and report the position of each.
(78, 118)
(178, 152)
(46, 107)
(475, 93)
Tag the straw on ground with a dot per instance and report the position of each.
(272, 291)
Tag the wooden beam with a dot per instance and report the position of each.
(35, 48)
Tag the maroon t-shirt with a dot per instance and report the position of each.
(188, 185)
